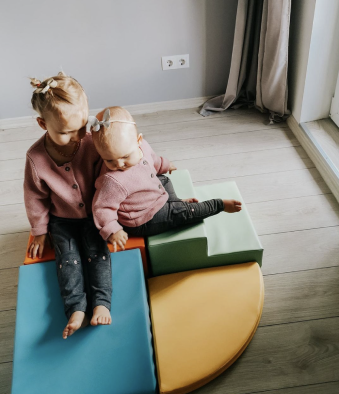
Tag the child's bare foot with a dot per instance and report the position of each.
(76, 321)
(101, 315)
(190, 200)
(231, 206)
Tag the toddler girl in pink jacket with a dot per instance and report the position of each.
(61, 168)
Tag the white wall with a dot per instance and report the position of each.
(314, 57)
(323, 62)
(302, 14)
(114, 48)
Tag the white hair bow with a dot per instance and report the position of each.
(95, 124)
(50, 84)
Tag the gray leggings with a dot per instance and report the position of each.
(175, 213)
(83, 264)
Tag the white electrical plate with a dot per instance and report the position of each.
(174, 62)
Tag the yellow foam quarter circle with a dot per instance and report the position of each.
(202, 321)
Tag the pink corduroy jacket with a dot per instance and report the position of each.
(130, 197)
(66, 191)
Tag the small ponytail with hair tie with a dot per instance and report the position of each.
(51, 83)
(35, 82)
(60, 89)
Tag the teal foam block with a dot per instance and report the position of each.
(103, 359)
(218, 240)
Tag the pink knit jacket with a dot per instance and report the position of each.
(65, 191)
(131, 197)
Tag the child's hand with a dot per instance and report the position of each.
(119, 238)
(172, 168)
(232, 206)
(36, 246)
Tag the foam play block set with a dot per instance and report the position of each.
(205, 302)
(219, 240)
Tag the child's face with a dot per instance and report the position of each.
(66, 127)
(123, 153)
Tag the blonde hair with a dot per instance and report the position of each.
(51, 93)
(105, 136)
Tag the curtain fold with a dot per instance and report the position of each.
(258, 72)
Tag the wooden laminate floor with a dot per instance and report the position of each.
(296, 347)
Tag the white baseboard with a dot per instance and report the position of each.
(11, 123)
(324, 165)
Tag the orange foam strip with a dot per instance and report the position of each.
(132, 243)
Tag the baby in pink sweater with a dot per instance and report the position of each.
(61, 168)
(133, 196)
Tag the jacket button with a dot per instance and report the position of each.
(152, 175)
(159, 186)
(67, 168)
(144, 162)
(75, 186)
(81, 205)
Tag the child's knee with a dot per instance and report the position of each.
(180, 209)
(99, 268)
(69, 270)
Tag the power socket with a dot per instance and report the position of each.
(174, 62)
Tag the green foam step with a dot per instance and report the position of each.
(222, 239)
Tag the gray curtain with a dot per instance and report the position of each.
(258, 73)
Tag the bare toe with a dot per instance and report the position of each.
(101, 315)
(76, 321)
(65, 333)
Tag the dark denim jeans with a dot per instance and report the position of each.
(176, 213)
(83, 264)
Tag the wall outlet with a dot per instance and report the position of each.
(174, 62)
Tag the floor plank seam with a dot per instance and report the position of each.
(292, 387)
(302, 270)
(293, 231)
(10, 158)
(10, 268)
(15, 179)
(263, 173)
(237, 153)
(278, 199)
(306, 229)
(231, 154)
(298, 321)
(211, 135)
(17, 232)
